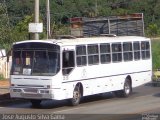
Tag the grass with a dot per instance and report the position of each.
(1, 77)
(156, 53)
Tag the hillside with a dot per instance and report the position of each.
(20, 12)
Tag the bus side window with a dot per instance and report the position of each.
(68, 62)
(116, 52)
(145, 50)
(137, 50)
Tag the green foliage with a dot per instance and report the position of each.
(60, 29)
(21, 13)
(4, 27)
(23, 25)
(153, 30)
(20, 31)
(156, 53)
(1, 77)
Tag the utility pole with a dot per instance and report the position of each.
(36, 18)
(48, 19)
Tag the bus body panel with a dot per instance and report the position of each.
(107, 78)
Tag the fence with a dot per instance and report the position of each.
(128, 25)
(5, 67)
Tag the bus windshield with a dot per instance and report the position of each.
(36, 62)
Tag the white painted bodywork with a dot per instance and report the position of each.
(95, 79)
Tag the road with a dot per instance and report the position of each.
(145, 99)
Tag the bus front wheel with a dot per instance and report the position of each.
(76, 96)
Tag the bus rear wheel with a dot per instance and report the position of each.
(35, 103)
(127, 90)
(76, 96)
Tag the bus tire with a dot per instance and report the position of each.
(35, 103)
(76, 96)
(127, 90)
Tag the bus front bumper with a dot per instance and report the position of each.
(33, 93)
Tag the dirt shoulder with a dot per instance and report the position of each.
(4, 88)
(4, 83)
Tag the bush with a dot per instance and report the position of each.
(1, 77)
(156, 54)
(153, 30)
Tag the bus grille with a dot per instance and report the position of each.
(31, 90)
(28, 86)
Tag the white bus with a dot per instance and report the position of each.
(61, 69)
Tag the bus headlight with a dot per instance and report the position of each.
(48, 86)
(44, 91)
(17, 90)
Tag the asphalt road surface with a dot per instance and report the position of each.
(142, 104)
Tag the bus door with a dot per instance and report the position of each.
(68, 62)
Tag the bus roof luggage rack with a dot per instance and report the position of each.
(65, 37)
(108, 35)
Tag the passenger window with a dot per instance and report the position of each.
(105, 54)
(136, 48)
(81, 55)
(93, 54)
(127, 51)
(145, 50)
(68, 62)
(116, 52)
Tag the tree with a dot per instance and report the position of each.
(59, 2)
(20, 31)
(62, 10)
(5, 38)
(153, 30)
